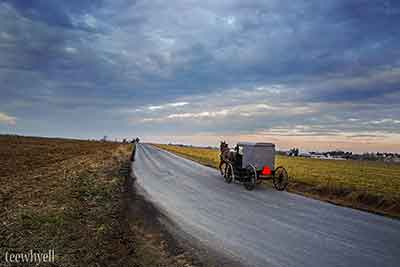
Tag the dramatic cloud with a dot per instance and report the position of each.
(163, 69)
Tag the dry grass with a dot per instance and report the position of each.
(372, 186)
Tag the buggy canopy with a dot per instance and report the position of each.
(258, 155)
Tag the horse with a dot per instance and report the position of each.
(226, 156)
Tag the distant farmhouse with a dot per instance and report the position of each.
(342, 155)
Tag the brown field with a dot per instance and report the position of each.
(70, 196)
(366, 185)
(27, 154)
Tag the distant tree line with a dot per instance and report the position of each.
(124, 140)
(294, 152)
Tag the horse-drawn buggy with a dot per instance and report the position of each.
(250, 163)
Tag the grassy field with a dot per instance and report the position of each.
(372, 186)
(70, 196)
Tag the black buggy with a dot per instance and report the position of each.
(253, 163)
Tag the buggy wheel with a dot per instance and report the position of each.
(228, 173)
(251, 180)
(281, 178)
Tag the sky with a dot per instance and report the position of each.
(319, 75)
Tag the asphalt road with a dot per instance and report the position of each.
(264, 227)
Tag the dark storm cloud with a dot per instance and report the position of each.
(79, 61)
(54, 13)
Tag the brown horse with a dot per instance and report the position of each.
(226, 156)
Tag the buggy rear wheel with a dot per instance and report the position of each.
(251, 180)
(228, 173)
(281, 178)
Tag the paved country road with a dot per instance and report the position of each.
(263, 227)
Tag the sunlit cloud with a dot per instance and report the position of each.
(168, 105)
(383, 121)
(205, 114)
(6, 119)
